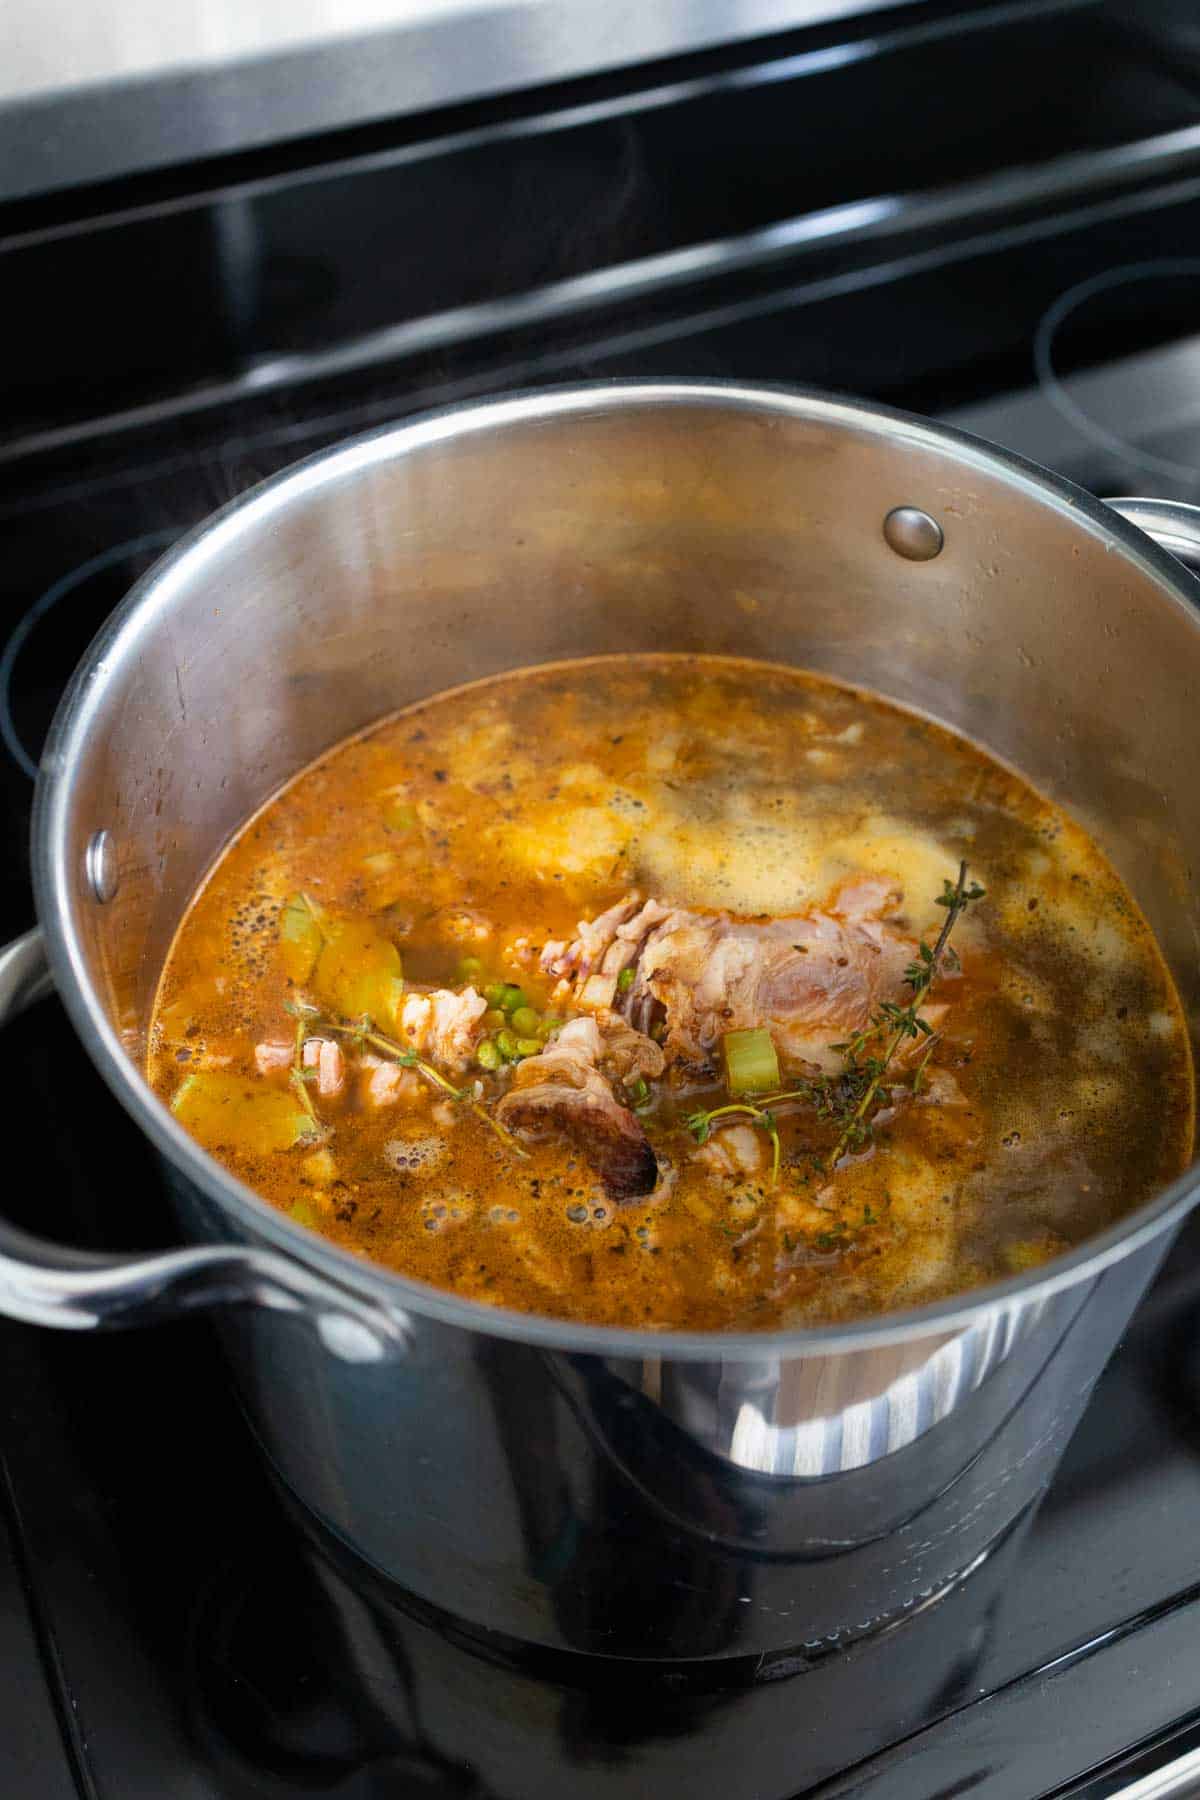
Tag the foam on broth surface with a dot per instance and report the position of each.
(487, 822)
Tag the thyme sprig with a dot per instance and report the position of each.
(298, 1080)
(700, 1125)
(846, 1099)
(904, 1022)
(363, 1033)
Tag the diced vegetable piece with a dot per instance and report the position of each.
(233, 1112)
(359, 972)
(528, 1046)
(299, 939)
(488, 1055)
(304, 1213)
(625, 981)
(751, 1065)
(398, 815)
(525, 1022)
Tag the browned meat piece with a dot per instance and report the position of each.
(562, 1091)
(812, 979)
(625, 1054)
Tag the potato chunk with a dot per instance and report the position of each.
(233, 1112)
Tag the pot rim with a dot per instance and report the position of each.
(181, 568)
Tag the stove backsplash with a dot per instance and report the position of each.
(481, 242)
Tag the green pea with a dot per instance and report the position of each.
(506, 1043)
(494, 993)
(528, 1046)
(488, 1055)
(550, 1022)
(514, 998)
(625, 981)
(493, 1019)
(525, 1022)
(470, 968)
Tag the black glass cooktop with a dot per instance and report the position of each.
(1025, 261)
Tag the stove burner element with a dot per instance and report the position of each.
(66, 584)
(1069, 306)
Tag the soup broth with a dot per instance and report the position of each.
(653, 991)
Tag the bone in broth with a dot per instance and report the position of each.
(653, 991)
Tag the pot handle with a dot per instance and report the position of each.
(1172, 524)
(44, 1283)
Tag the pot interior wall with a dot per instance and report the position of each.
(611, 522)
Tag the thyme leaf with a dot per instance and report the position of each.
(700, 1124)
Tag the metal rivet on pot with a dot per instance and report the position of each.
(913, 533)
(100, 866)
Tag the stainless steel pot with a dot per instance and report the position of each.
(624, 1493)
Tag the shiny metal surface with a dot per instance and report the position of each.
(769, 1490)
(1177, 1780)
(43, 1284)
(24, 974)
(1176, 528)
(87, 94)
(101, 867)
(913, 534)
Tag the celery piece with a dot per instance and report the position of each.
(751, 1065)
